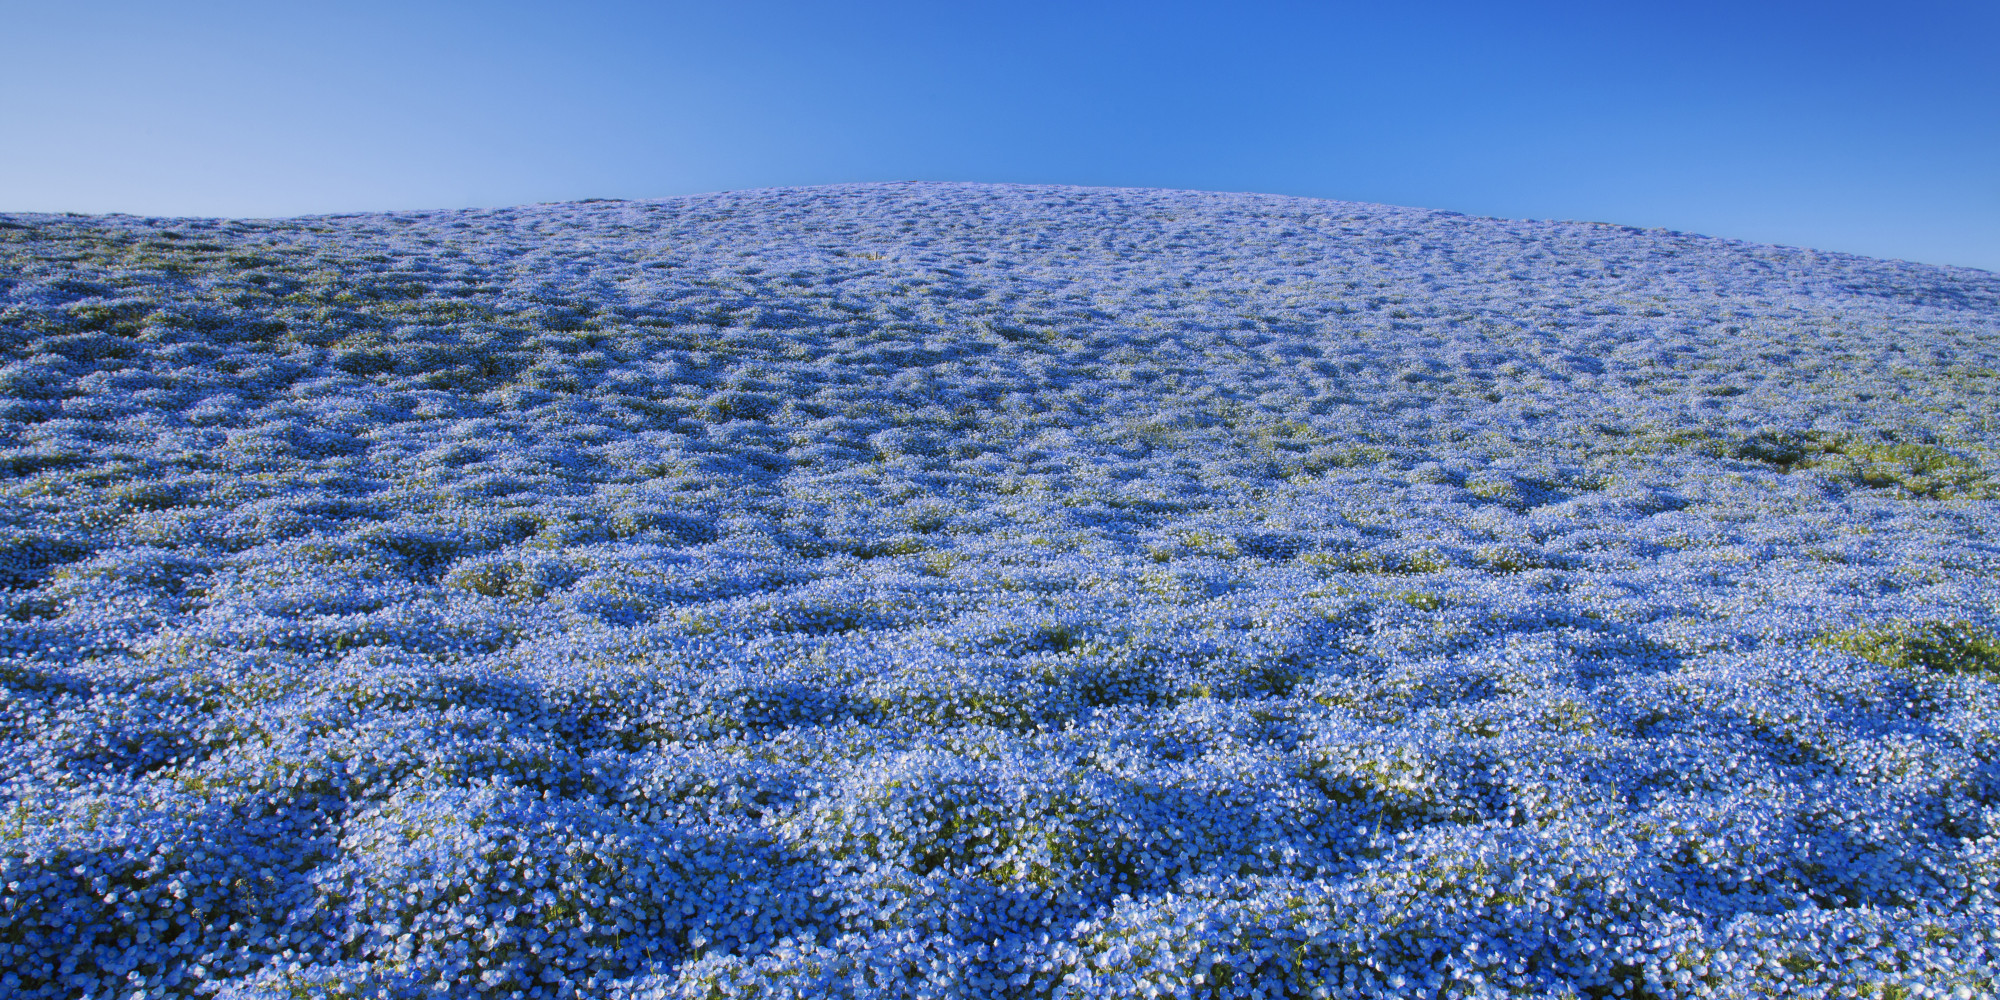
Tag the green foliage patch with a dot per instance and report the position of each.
(1946, 647)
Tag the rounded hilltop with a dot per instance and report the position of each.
(1371, 320)
(980, 590)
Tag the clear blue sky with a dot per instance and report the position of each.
(1868, 128)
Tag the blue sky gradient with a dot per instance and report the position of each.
(1871, 129)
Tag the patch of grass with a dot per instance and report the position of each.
(1426, 560)
(1421, 600)
(512, 578)
(1920, 470)
(1917, 469)
(1346, 561)
(1499, 489)
(941, 563)
(1946, 647)
(1354, 456)
(1208, 543)
(1508, 559)
(902, 545)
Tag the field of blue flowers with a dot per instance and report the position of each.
(981, 591)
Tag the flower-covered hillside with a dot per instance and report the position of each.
(973, 591)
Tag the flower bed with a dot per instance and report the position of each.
(954, 590)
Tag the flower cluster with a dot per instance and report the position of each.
(1018, 592)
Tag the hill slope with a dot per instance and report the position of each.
(908, 589)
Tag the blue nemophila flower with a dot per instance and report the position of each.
(961, 591)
